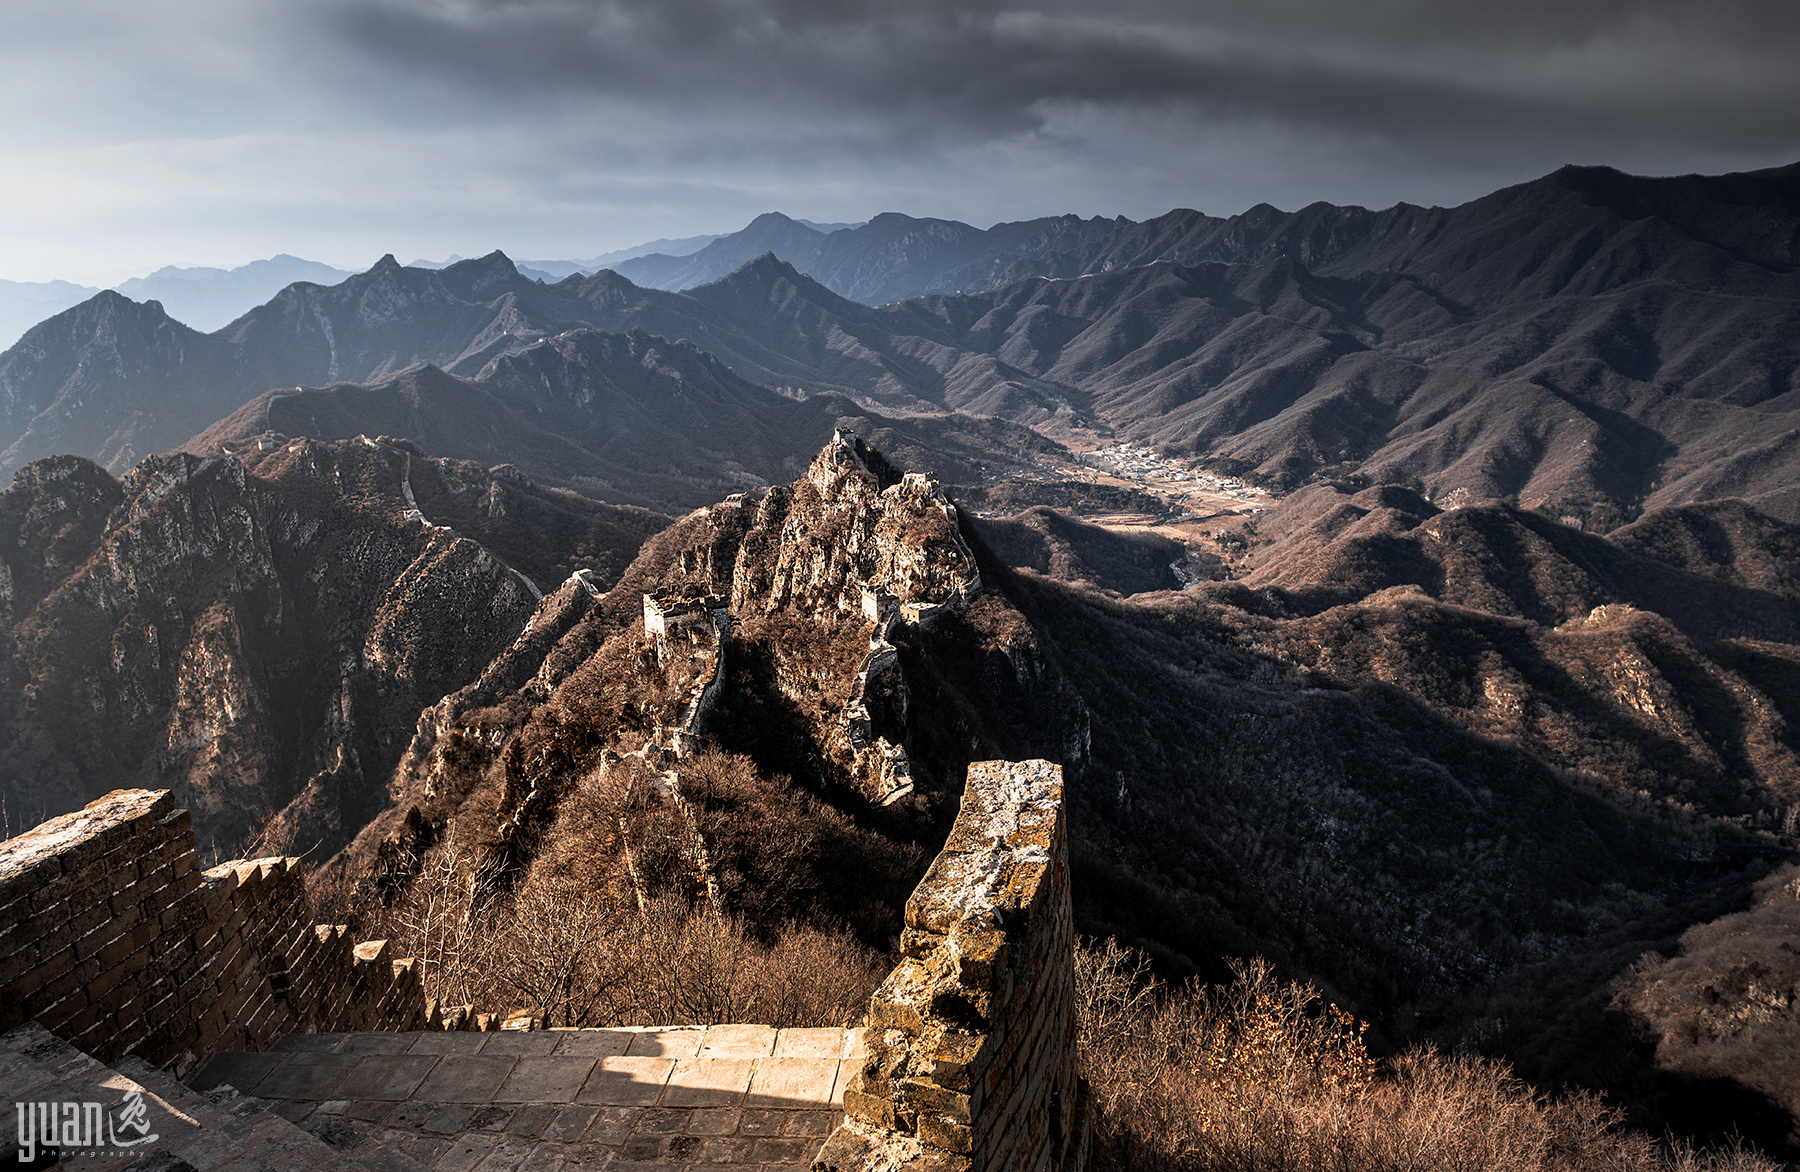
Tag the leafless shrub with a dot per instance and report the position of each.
(434, 923)
(696, 968)
(581, 956)
(559, 954)
(1114, 995)
(1260, 1076)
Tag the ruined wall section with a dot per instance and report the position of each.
(696, 630)
(114, 939)
(970, 1042)
(879, 704)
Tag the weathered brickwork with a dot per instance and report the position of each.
(114, 939)
(970, 1042)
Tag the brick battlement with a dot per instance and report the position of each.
(114, 939)
(970, 1042)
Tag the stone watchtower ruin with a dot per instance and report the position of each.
(253, 1038)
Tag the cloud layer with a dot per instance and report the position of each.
(189, 132)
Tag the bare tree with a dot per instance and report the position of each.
(561, 956)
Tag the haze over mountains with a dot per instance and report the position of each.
(665, 250)
(204, 298)
(889, 258)
(25, 303)
(207, 298)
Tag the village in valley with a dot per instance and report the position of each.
(1189, 488)
(1170, 496)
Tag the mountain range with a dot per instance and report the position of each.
(1586, 341)
(629, 418)
(888, 258)
(1484, 720)
(263, 638)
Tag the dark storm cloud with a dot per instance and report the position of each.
(1532, 74)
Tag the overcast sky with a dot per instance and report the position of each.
(200, 132)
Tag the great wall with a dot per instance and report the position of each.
(251, 1038)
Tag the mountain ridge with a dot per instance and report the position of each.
(1537, 343)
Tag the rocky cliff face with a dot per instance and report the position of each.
(258, 636)
(814, 628)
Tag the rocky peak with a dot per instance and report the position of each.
(770, 220)
(797, 624)
(49, 524)
(856, 525)
(483, 278)
(846, 462)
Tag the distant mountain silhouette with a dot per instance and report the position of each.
(889, 258)
(207, 298)
(771, 232)
(684, 246)
(25, 303)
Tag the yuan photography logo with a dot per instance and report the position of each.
(70, 1125)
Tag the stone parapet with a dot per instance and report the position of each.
(114, 939)
(970, 1042)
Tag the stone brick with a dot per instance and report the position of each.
(15, 906)
(17, 962)
(923, 1095)
(947, 1135)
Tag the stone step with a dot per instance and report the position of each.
(192, 1132)
(255, 1129)
(723, 1096)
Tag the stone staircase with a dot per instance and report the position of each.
(504, 1101)
(194, 1132)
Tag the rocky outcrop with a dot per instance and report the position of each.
(855, 522)
(783, 623)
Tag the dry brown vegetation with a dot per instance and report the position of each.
(1723, 1004)
(1260, 1075)
(614, 923)
(576, 957)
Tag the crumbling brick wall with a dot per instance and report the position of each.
(113, 939)
(970, 1042)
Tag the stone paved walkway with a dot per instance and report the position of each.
(733, 1096)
